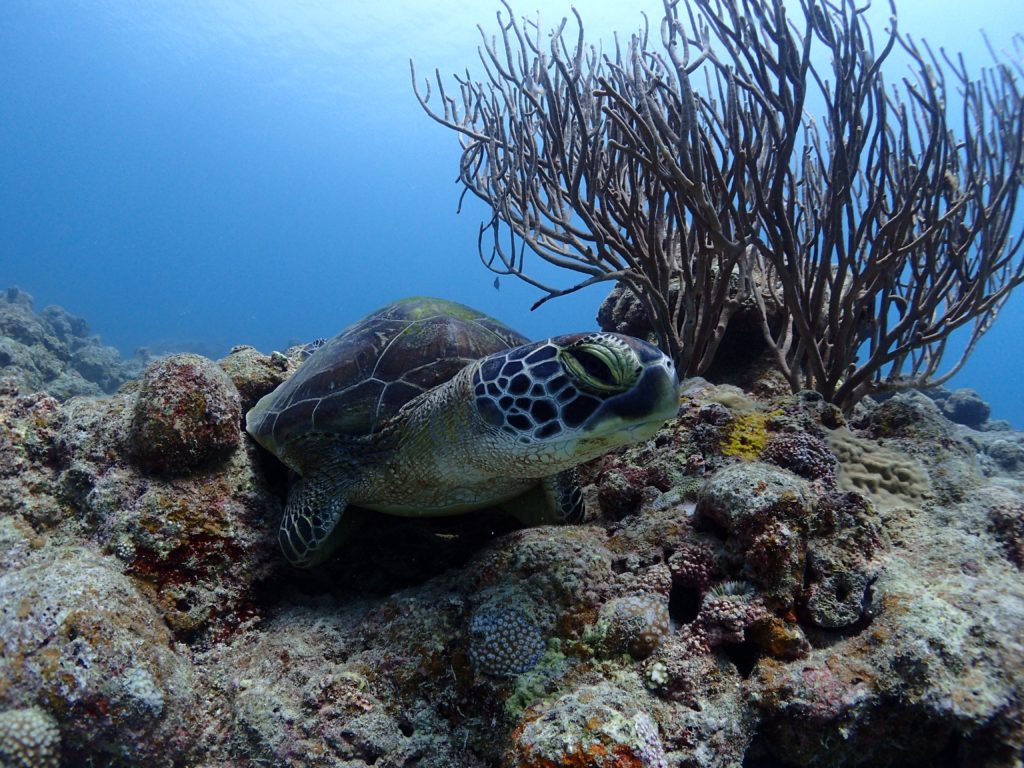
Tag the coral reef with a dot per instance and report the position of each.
(636, 625)
(53, 351)
(1005, 511)
(833, 594)
(28, 425)
(80, 638)
(802, 454)
(254, 374)
(199, 543)
(763, 514)
(747, 436)
(591, 726)
(965, 406)
(889, 478)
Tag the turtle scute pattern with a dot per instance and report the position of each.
(533, 395)
(353, 383)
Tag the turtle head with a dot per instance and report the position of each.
(568, 399)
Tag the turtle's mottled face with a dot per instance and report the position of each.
(568, 399)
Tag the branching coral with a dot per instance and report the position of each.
(878, 226)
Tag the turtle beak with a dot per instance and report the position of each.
(654, 398)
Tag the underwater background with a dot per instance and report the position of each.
(202, 174)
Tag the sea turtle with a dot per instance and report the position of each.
(427, 408)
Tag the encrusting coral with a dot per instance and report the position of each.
(590, 726)
(636, 625)
(503, 642)
(29, 738)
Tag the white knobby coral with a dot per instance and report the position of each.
(29, 738)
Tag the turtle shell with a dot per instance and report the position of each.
(356, 381)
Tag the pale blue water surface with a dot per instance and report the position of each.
(223, 172)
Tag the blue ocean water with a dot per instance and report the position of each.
(204, 174)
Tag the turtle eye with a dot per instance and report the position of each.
(601, 366)
(594, 367)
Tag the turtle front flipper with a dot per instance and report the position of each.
(312, 527)
(557, 500)
(564, 497)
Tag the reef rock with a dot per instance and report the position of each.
(764, 582)
(186, 415)
(965, 406)
(54, 352)
(80, 639)
(741, 356)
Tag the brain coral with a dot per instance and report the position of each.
(891, 479)
(187, 414)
